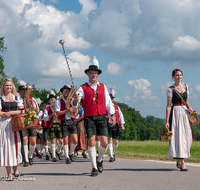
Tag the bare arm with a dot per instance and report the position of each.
(168, 110)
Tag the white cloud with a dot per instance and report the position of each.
(197, 87)
(127, 98)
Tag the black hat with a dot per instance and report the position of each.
(65, 87)
(93, 68)
(111, 96)
(46, 102)
(51, 96)
(22, 87)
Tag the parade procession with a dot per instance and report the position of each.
(79, 119)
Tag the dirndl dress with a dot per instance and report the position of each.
(181, 140)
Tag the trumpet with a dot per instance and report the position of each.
(26, 99)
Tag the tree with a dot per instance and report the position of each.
(2, 49)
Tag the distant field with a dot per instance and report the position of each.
(152, 150)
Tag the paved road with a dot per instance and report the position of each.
(122, 174)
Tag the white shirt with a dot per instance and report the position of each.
(108, 103)
(121, 117)
(40, 115)
(46, 116)
(19, 101)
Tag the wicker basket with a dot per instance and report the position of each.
(165, 136)
(18, 123)
(193, 118)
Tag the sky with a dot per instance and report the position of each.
(137, 43)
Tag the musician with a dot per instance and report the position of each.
(96, 103)
(55, 132)
(114, 131)
(28, 134)
(67, 124)
(45, 129)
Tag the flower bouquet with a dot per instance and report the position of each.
(167, 136)
(31, 116)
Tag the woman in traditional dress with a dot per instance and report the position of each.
(177, 120)
(10, 143)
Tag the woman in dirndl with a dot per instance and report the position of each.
(177, 120)
(10, 143)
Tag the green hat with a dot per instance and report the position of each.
(111, 96)
(51, 96)
(22, 87)
(65, 87)
(93, 68)
(46, 102)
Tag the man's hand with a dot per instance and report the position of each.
(122, 127)
(69, 109)
(112, 120)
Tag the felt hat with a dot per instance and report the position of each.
(22, 87)
(94, 66)
(65, 87)
(46, 102)
(111, 96)
(51, 96)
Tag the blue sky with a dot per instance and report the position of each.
(137, 42)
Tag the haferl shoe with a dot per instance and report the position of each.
(94, 172)
(59, 155)
(47, 157)
(68, 161)
(111, 159)
(26, 164)
(84, 155)
(100, 166)
(31, 161)
(72, 158)
(39, 155)
(54, 159)
(114, 157)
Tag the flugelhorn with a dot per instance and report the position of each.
(53, 103)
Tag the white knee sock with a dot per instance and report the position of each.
(101, 153)
(31, 151)
(114, 147)
(66, 151)
(26, 152)
(98, 145)
(110, 149)
(53, 150)
(42, 148)
(59, 148)
(92, 155)
(38, 146)
(73, 146)
(47, 150)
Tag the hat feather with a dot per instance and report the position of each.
(22, 83)
(113, 92)
(52, 92)
(38, 100)
(95, 62)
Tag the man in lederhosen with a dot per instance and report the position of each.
(114, 130)
(55, 132)
(68, 126)
(96, 103)
(29, 135)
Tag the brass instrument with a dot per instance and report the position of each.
(54, 111)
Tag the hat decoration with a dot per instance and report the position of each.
(22, 85)
(67, 86)
(39, 101)
(112, 94)
(94, 66)
(51, 95)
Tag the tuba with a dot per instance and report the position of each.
(53, 106)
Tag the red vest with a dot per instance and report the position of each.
(91, 106)
(49, 123)
(31, 101)
(117, 113)
(62, 107)
(43, 122)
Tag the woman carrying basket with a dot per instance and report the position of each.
(10, 144)
(177, 120)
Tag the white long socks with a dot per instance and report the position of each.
(73, 146)
(110, 150)
(26, 153)
(38, 146)
(53, 150)
(98, 145)
(114, 147)
(101, 152)
(47, 150)
(31, 150)
(59, 148)
(92, 155)
(66, 151)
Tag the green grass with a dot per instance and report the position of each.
(153, 150)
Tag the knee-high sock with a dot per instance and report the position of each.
(98, 145)
(92, 155)
(73, 146)
(53, 150)
(47, 150)
(101, 153)
(114, 147)
(59, 148)
(66, 151)
(110, 149)
(42, 148)
(38, 146)
(26, 152)
(31, 150)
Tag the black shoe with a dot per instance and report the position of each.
(100, 166)
(111, 159)
(17, 175)
(114, 157)
(84, 155)
(68, 161)
(47, 157)
(59, 155)
(54, 159)
(94, 172)
(178, 165)
(183, 169)
(39, 155)
(72, 158)
(31, 161)
(26, 164)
